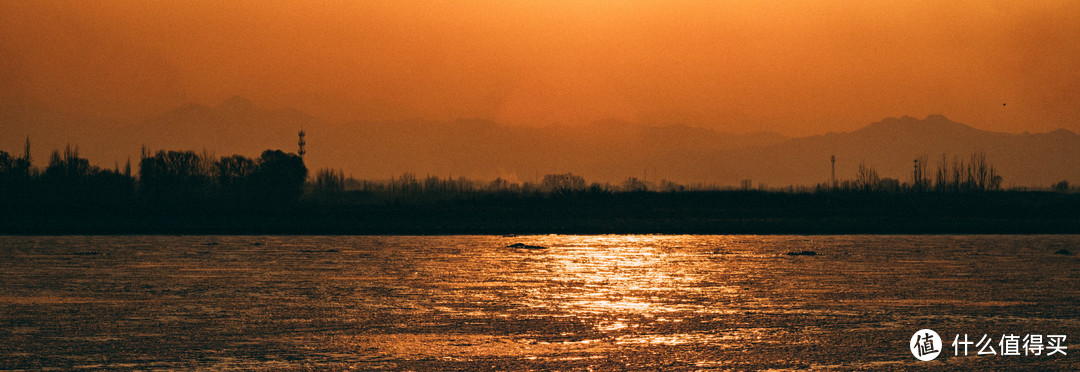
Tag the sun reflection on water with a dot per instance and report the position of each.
(639, 289)
(619, 283)
(585, 297)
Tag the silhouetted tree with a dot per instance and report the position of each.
(498, 185)
(633, 184)
(234, 178)
(72, 180)
(14, 172)
(887, 184)
(746, 185)
(65, 177)
(280, 177)
(564, 182)
(978, 173)
(975, 175)
(670, 186)
(405, 184)
(599, 188)
(919, 181)
(175, 177)
(1062, 186)
(866, 178)
(68, 168)
(329, 184)
(941, 176)
(111, 187)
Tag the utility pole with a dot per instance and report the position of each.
(302, 151)
(833, 160)
(26, 150)
(916, 177)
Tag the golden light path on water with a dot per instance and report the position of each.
(585, 295)
(621, 275)
(691, 301)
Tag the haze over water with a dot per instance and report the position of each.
(467, 302)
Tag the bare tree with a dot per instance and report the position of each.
(866, 178)
(919, 181)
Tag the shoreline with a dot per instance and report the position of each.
(374, 225)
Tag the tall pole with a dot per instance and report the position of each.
(916, 177)
(833, 160)
(302, 151)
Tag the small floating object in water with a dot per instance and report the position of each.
(87, 253)
(802, 253)
(210, 243)
(509, 235)
(257, 243)
(1063, 251)
(525, 246)
(319, 250)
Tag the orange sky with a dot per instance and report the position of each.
(792, 67)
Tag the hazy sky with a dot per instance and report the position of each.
(793, 67)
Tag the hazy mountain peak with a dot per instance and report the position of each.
(231, 111)
(1059, 133)
(237, 103)
(932, 124)
(906, 119)
(937, 118)
(188, 108)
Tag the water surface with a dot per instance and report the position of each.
(586, 302)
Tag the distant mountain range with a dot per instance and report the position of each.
(891, 146)
(236, 126)
(607, 151)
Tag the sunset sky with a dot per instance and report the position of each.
(791, 67)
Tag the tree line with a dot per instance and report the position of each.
(164, 179)
(975, 174)
(186, 178)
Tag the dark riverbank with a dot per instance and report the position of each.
(721, 212)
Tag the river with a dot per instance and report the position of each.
(604, 302)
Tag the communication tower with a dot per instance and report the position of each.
(302, 151)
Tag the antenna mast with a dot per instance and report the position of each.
(832, 159)
(302, 151)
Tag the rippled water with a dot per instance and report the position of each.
(587, 302)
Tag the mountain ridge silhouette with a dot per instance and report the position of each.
(607, 151)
